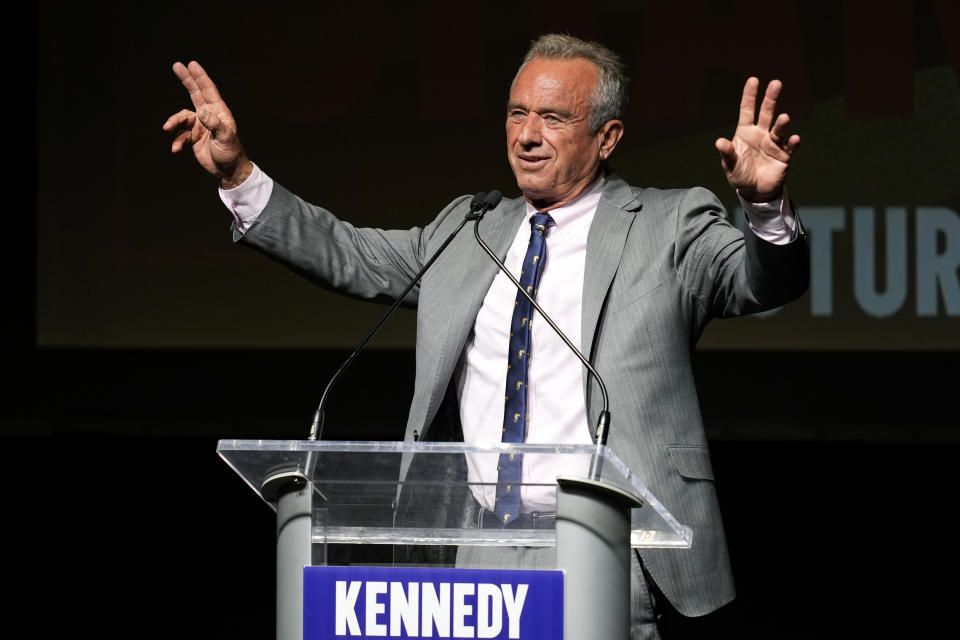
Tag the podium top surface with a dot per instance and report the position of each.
(359, 488)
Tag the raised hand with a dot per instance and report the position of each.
(757, 159)
(209, 128)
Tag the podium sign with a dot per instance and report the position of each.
(376, 602)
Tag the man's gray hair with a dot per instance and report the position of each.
(609, 100)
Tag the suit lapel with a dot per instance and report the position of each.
(605, 242)
(498, 229)
(475, 274)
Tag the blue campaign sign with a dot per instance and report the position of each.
(377, 602)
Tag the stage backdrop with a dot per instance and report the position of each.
(385, 113)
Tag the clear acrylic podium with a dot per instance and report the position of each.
(428, 497)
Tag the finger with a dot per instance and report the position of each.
(728, 157)
(198, 130)
(178, 142)
(792, 144)
(179, 70)
(206, 86)
(189, 83)
(184, 118)
(748, 103)
(780, 130)
(769, 105)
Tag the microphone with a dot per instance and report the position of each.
(477, 202)
(483, 202)
(479, 205)
(603, 422)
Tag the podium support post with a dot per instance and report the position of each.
(593, 551)
(292, 492)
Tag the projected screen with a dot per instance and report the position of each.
(384, 116)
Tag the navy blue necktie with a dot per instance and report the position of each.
(515, 407)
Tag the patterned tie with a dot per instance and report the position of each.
(515, 410)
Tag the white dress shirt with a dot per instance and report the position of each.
(555, 401)
(557, 411)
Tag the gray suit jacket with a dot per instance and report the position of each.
(660, 264)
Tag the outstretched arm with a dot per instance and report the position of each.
(209, 128)
(732, 273)
(757, 158)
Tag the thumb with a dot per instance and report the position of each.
(212, 123)
(728, 156)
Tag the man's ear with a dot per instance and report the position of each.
(608, 137)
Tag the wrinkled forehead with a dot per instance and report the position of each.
(570, 80)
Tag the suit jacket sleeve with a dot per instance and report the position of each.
(368, 264)
(730, 273)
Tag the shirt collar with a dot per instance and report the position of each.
(575, 217)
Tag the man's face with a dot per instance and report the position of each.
(551, 151)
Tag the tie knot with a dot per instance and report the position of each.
(540, 221)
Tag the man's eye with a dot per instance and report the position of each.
(517, 115)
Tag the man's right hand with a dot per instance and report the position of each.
(210, 128)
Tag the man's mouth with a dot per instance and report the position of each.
(531, 162)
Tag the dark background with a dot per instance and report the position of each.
(136, 336)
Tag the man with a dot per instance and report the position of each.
(632, 275)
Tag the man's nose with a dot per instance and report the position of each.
(531, 130)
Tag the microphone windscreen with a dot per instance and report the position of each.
(492, 199)
(477, 203)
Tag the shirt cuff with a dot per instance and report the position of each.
(773, 221)
(247, 200)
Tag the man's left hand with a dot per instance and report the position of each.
(757, 159)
